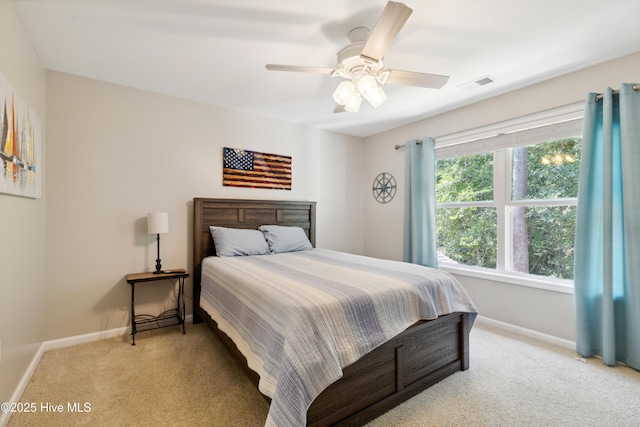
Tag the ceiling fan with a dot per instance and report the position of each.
(360, 63)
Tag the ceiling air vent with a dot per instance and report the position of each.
(482, 81)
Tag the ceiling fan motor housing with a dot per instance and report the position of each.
(350, 64)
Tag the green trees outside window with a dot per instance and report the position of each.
(524, 197)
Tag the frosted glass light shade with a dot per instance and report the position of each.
(367, 85)
(344, 91)
(353, 103)
(158, 223)
(376, 97)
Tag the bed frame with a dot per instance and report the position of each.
(409, 363)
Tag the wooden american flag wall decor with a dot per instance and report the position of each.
(244, 168)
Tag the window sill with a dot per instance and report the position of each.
(547, 283)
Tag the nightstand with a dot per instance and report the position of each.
(171, 317)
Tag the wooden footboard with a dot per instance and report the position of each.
(394, 372)
(409, 363)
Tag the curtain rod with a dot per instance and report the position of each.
(399, 146)
(634, 87)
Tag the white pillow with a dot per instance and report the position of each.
(285, 239)
(238, 241)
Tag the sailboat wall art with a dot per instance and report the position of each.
(21, 156)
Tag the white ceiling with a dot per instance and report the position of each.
(215, 51)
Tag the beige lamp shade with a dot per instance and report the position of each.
(158, 223)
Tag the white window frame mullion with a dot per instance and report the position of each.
(501, 180)
(567, 201)
(480, 204)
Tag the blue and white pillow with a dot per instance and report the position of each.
(238, 241)
(285, 239)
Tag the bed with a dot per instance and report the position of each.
(400, 367)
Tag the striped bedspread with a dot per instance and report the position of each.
(300, 317)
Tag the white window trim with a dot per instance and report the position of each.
(538, 120)
(510, 277)
(569, 113)
(480, 204)
(567, 201)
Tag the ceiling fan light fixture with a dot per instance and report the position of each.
(353, 103)
(345, 91)
(376, 97)
(367, 85)
(370, 90)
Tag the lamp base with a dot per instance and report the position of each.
(158, 263)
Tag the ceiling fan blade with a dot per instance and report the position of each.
(339, 109)
(409, 78)
(393, 18)
(300, 69)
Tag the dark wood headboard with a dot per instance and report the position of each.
(243, 214)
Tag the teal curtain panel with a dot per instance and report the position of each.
(607, 251)
(420, 245)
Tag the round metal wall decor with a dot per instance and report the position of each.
(384, 187)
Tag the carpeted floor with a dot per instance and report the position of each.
(166, 379)
(170, 379)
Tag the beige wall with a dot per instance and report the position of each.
(116, 153)
(22, 236)
(517, 305)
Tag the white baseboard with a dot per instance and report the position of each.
(85, 338)
(570, 345)
(94, 336)
(62, 343)
(17, 393)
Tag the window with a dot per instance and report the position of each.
(466, 217)
(508, 202)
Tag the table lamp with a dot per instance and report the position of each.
(158, 223)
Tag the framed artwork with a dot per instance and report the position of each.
(21, 156)
(244, 168)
